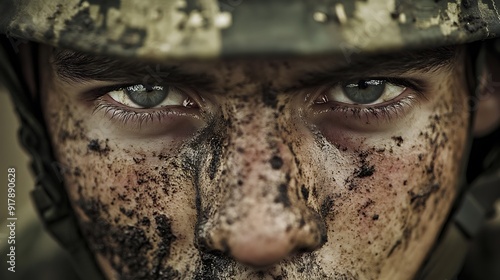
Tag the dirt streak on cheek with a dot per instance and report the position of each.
(400, 190)
(126, 199)
(365, 207)
(437, 171)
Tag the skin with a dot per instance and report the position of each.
(259, 183)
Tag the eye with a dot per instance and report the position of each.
(145, 96)
(362, 92)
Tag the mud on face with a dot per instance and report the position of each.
(263, 190)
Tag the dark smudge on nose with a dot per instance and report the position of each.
(276, 162)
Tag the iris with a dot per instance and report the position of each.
(364, 91)
(146, 96)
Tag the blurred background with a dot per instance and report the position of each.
(12, 155)
(35, 249)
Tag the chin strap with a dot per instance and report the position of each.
(475, 206)
(49, 196)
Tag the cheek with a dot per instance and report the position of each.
(133, 217)
(135, 205)
(389, 193)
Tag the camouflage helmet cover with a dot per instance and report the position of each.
(156, 29)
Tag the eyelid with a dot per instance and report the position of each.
(137, 118)
(370, 116)
(150, 122)
(95, 93)
(414, 84)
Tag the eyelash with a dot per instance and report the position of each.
(384, 112)
(381, 111)
(124, 115)
(393, 109)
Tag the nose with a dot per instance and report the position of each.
(267, 234)
(256, 211)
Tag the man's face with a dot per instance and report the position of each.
(268, 169)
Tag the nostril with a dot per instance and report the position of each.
(320, 238)
(206, 244)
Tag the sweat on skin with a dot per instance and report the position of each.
(260, 182)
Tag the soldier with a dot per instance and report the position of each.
(258, 140)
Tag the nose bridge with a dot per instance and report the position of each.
(260, 218)
(258, 155)
(259, 160)
(260, 152)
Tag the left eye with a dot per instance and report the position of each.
(144, 96)
(362, 92)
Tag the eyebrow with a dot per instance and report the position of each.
(74, 66)
(77, 66)
(383, 66)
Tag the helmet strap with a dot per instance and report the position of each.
(49, 196)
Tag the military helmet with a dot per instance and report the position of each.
(187, 28)
(181, 29)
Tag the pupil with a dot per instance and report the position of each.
(148, 88)
(362, 84)
(364, 91)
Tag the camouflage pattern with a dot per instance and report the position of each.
(157, 29)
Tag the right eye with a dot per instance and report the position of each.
(144, 96)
